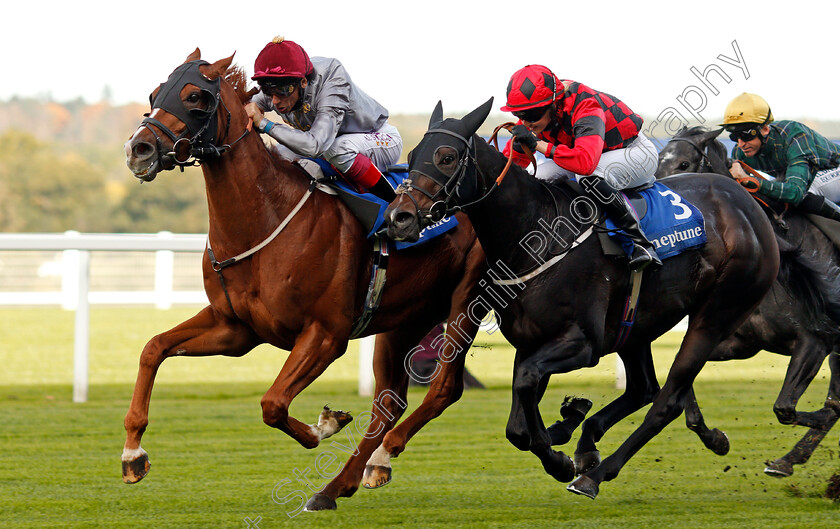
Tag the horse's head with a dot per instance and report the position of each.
(188, 122)
(441, 174)
(693, 150)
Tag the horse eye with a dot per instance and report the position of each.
(194, 97)
(683, 166)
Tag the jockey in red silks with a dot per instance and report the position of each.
(589, 136)
(325, 115)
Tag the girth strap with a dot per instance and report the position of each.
(376, 287)
(629, 316)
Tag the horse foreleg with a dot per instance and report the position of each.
(205, 334)
(801, 452)
(561, 355)
(641, 388)
(713, 439)
(315, 349)
(805, 363)
(445, 388)
(388, 406)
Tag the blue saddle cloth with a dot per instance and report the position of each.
(671, 223)
(395, 178)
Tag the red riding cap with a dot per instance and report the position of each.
(282, 58)
(531, 87)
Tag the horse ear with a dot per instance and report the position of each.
(437, 115)
(708, 137)
(218, 68)
(194, 56)
(474, 119)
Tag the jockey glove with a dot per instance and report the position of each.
(750, 183)
(523, 136)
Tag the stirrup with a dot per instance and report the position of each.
(642, 258)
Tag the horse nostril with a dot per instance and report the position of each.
(142, 150)
(402, 219)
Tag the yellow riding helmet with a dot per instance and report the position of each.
(747, 108)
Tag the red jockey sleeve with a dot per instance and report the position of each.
(581, 159)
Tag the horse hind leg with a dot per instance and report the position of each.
(668, 403)
(205, 334)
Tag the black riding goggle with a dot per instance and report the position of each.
(532, 115)
(279, 89)
(744, 135)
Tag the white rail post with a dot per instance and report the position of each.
(620, 374)
(164, 272)
(82, 332)
(69, 275)
(366, 346)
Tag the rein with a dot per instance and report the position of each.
(495, 141)
(777, 216)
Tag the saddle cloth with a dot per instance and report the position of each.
(671, 223)
(369, 208)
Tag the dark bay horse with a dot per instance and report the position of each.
(794, 319)
(566, 316)
(303, 290)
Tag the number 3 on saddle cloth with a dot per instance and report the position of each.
(369, 208)
(670, 222)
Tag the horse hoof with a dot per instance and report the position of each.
(330, 422)
(343, 418)
(586, 461)
(585, 486)
(320, 502)
(560, 467)
(376, 476)
(719, 444)
(575, 407)
(779, 469)
(133, 470)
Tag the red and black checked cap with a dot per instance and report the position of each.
(530, 87)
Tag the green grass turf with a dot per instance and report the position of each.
(214, 463)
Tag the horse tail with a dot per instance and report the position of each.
(815, 287)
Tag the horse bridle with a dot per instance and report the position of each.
(704, 160)
(198, 142)
(443, 207)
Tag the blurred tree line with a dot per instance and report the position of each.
(62, 167)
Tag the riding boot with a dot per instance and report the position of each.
(366, 175)
(819, 205)
(383, 189)
(617, 207)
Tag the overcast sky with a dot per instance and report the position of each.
(408, 54)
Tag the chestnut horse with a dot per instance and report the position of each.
(798, 318)
(303, 290)
(566, 314)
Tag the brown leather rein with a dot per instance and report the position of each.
(495, 141)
